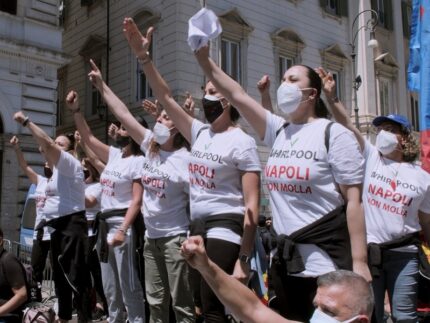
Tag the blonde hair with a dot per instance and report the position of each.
(410, 147)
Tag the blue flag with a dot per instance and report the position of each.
(419, 71)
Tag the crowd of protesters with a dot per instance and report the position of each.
(119, 218)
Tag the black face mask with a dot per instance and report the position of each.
(47, 172)
(123, 141)
(212, 109)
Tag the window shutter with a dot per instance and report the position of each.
(343, 7)
(388, 14)
(405, 24)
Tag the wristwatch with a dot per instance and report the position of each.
(244, 258)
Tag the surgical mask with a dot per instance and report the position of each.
(386, 142)
(212, 107)
(321, 317)
(289, 97)
(122, 141)
(161, 133)
(47, 172)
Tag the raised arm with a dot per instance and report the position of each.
(31, 174)
(356, 228)
(94, 159)
(140, 45)
(336, 106)
(233, 294)
(52, 151)
(116, 106)
(99, 148)
(263, 87)
(250, 109)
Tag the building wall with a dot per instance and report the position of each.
(30, 54)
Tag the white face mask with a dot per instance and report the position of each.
(289, 97)
(161, 133)
(386, 142)
(321, 317)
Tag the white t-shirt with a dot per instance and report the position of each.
(117, 182)
(65, 191)
(165, 181)
(302, 179)
(216, 164)
(40, 197)
(94, 190)
(393, 193)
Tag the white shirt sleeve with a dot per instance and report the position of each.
(248, 160)
(95, 191)
(273, 124)
(196, 128)
(345, 157)
(69, 166)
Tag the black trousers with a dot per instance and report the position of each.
(96, 272)
(39, 255)
(69, 253)
(225, 255)
(294, 294)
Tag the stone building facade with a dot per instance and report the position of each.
(30, 55)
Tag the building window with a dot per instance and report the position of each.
(385, 14)
(8, 6)
(338, 79)
(334, 59)
(415, 114)
(230, 58)
(143, 90)
(406, 19)
(331, 7)
(384, 96)
(335, 7)
(231, 48)
(284, 64)
(95, 101)
(61, 94)
(287, 47)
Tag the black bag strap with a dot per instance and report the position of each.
(286, 124)
(326, 133)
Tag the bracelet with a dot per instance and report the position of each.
(145, 60)
(26, 121)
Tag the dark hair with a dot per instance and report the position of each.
(321, 110)
(71, 137)
(135, 147)
(1, 233)
(94, 172)
(234, 114)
